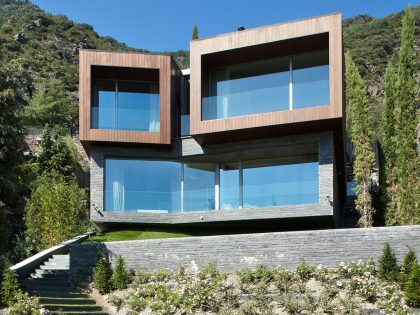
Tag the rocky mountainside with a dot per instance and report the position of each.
(47, 47)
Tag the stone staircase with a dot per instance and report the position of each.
(51, 284)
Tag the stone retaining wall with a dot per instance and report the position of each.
(233, 252)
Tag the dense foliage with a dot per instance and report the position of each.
(388, 265)
(9, 288)
(120, 276)
(102, 275)
(56, 211)
(360, 129)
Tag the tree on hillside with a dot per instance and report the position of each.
(407, 159)
(360, 131)
(11, 138)
(195, 32)
(58, 155)
(50, 105)
(387, 137)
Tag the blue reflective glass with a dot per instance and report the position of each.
(311, 86)
(229, 186)
(199, 182)
(247, 89)
(280, 181)
(142, 186)
(185, 125)
(126, 105)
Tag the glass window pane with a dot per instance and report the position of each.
(247, 89)
(311, 86)
(138, 106)
(103, 109)
(229, 186)
(199, 182)
(142, 186)
(280, 181)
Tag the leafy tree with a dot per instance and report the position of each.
(195, 33)
(120, 277)
(58, 153)
(56, 210)
(388, 265)
(407, 158)
(11, 138)
(50, 105)
(361, 133)
(102, 275)
(9, 287)
(412, 287)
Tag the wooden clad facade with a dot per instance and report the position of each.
(167, 70)
(324, 32)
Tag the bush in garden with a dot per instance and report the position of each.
(102, 275)
(9, 288)
(388, 265)
(412, 287)
(25, 305)
(409, 261)
(304, 271)
(120, 277)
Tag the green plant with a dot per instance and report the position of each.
(412, 287)
(304, 271)
(388, 265)
(25, 305)
(409, 260)
(194, 33)
(117, 301)
(120, 277)
(9, 287)
(102, 275)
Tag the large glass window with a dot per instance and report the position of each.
(280, 181)
(264, 86)
(199, 180)
(229, 186)
(246, 89)
(311, 85)
(138, 185)
(126, 105)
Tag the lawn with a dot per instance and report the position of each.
(134, 234)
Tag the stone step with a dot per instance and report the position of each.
(43, 267)
(52, 272)
(61, 256)
(46, 282)
(65, 265)
(50, 288)
(45, 276)
(72, 308)
(66, 301)
(62, 295)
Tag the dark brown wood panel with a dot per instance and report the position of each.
(324, 32)
(125, 64)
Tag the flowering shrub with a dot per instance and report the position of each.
(25, 305)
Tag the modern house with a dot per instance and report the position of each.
(252, 132)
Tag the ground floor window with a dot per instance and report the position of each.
(133, 185)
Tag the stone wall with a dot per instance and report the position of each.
(233, 252)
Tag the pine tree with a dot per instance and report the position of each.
(360, 130)
(195, 32)
(407, 159)
(102, 275)
(412, 287)
(120, 277)
(388, 265)
(409, 260)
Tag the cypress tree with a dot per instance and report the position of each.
(388, 176)
(361, 133)
(195, 32)
(407, 159)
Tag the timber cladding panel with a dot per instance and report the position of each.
(162, 63)
(285, 37)
(235, 252)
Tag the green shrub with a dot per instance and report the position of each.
(409, 261)
(25, 305)
(388, 265)
(120, 277)
(102, 275)
(304, 271)
(9, 288)
(412, 287)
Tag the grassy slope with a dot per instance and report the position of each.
(134, 234)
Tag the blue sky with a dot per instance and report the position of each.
(166, 25)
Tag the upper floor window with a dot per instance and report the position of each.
(268, 85)
(126, 105)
